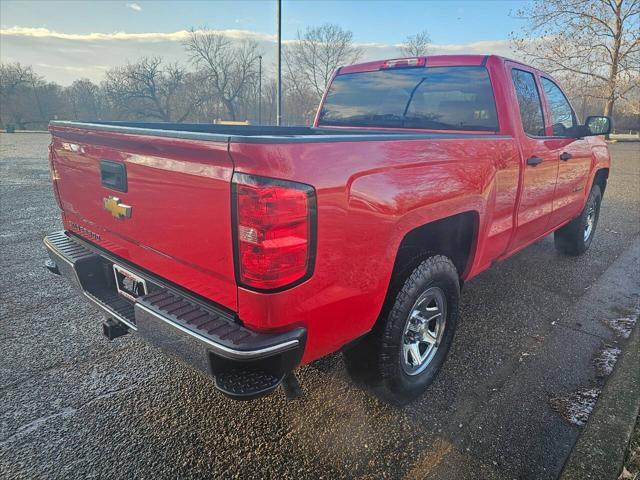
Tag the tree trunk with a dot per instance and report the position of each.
(75, 109)
(37, 97)
(608, 110)
(613, 71)
(230, 109)
(608, 107)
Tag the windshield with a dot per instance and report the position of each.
(435, 98)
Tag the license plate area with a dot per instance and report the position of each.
(129, 285)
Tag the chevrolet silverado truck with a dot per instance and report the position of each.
(248, 251)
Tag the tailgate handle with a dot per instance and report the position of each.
(113, 175)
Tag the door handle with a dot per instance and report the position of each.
(534, 161)
(565, 156)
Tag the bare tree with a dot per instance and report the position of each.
(12, 76)
(597, 39)
(50, 101)
(149, 89)
(416, 45)
(317, 53)
(20, 92)
(230, 68)
(300, 97)
(85, 100)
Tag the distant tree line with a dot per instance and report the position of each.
(219, 80)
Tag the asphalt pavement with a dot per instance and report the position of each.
(525, 368)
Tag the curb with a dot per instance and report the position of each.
(600, 449)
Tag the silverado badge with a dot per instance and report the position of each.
(117, 209)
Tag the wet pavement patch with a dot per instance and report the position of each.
(606, 359)
(576, 407)
(624, 325)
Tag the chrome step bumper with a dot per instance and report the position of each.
(200, 333)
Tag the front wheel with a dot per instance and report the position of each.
(576, 236)
(405, 351)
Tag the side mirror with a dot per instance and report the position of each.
(597, 125)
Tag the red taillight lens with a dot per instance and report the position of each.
(274, 222)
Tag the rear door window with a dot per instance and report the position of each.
(434, 98)
(562, 117)
(529, 102)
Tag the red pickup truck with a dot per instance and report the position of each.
(248, 251)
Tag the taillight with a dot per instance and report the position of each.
(274, 231)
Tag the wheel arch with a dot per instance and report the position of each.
(600, 178)
(454, 237)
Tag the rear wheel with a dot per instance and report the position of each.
(403, 354)
(576, 236)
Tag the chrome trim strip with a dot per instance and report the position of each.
(243, 354)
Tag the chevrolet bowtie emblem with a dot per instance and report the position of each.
(117, 209)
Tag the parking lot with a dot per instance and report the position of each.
(532, 337)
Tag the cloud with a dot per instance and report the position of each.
(178, 36)
(83, 70)
(134, 6)
(486, 46)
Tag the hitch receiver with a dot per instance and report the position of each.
(113, 329)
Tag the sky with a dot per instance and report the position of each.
(66, 40)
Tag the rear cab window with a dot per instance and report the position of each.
(430, 98)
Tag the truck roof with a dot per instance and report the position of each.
(431, 61)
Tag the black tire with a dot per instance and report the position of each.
(377, 360)
(570, 239)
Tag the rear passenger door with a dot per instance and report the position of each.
(540, 162)
(574, 154)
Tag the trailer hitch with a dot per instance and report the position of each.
(113, 329)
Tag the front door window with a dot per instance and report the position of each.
(562, 118)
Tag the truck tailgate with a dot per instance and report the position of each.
(178, 225)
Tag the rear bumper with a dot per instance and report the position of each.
(245, 363)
